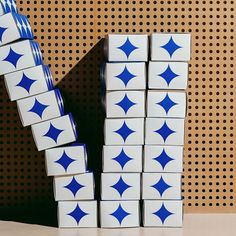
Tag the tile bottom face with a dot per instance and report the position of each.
(77, 214)
(119, 214)
(158, 213)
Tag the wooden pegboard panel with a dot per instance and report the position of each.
(70, 34)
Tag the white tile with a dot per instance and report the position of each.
(119, 214)
(127, 47)
(53, 133)
(66, 160)
(76, 187)
(167, 75)
(124, 131)
(125, 76)
(164, 131)
(77, 214)
(122, 104)
(41, 107)
(122, 158)
(158, 213)
(170, 47)
(163, 158)
(120, 186)
(28, 82)
(161, 186)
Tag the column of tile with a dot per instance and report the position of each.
(164, 138)
(29, 82)
(125, 79)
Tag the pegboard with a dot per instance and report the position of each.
(71, 36)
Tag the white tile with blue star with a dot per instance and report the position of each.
(55, 132)
(41, 107)
(14, 27)
(19, 56)
(122, 104)
(120, 186)
(163, 213)
(119, 214)
(170, 46)
(122, 158)
(164, 159)
(164, 131)
(166, 104)
(77, 214)
(157, 186)
(128, 131)
(127, 47)
(76, 187)
(125, 76)
(167, 75)
(28, 82)
(67, 160)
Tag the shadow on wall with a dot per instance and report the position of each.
(26, 193)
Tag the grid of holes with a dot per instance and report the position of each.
(67, 30)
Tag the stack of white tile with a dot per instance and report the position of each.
(125, 79)
(164, 132)
(29, 82)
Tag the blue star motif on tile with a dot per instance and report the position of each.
(78, 214)
(125, 103)
(163, 213)
(171, 47)
(2, 31)
(125, 76)
(165, 131)
(74, 186)
(38, 108)
(122, 158)
(53, 133)
(127, 47)
(26, 83)
(121, 186)
(65, 161)
(120, 214)
(161, 186)
(167, 103)
(163, 159)
(124, 131)
(13, 57)
(168, 75)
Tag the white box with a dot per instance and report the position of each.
(163, 158)
(120, 47)
(125, 104)
(161, 186)
(53, 133)
(7, 6)
(120, 186)
(166, 104)
(77, 214)
(167, 75)
(13, 27)
(124, 131)
(68, 160)
(125, 76)
(158, 213)
(41, 107)
(119, 214)
(76, 187)
(164, 131)
(122, 158)
(28, 82)
(170, 47)
(19, 56)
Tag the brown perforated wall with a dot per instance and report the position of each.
(71, 33)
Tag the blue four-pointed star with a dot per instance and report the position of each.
(122, 158)
(163, 213)
(124, 131)
(167, 103)
(125, 76)
(168, 75)
(161, 186)
(26, 83)
(53, 133)
(165, 131)
(171, 47)
(78, 214)
(65, 161)
(127, 47)
(125, 104)
(74, 186)
(163, 159)
(2, 31)
(121, 186)
(13, 57)
(38, 108)
(120, 214)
